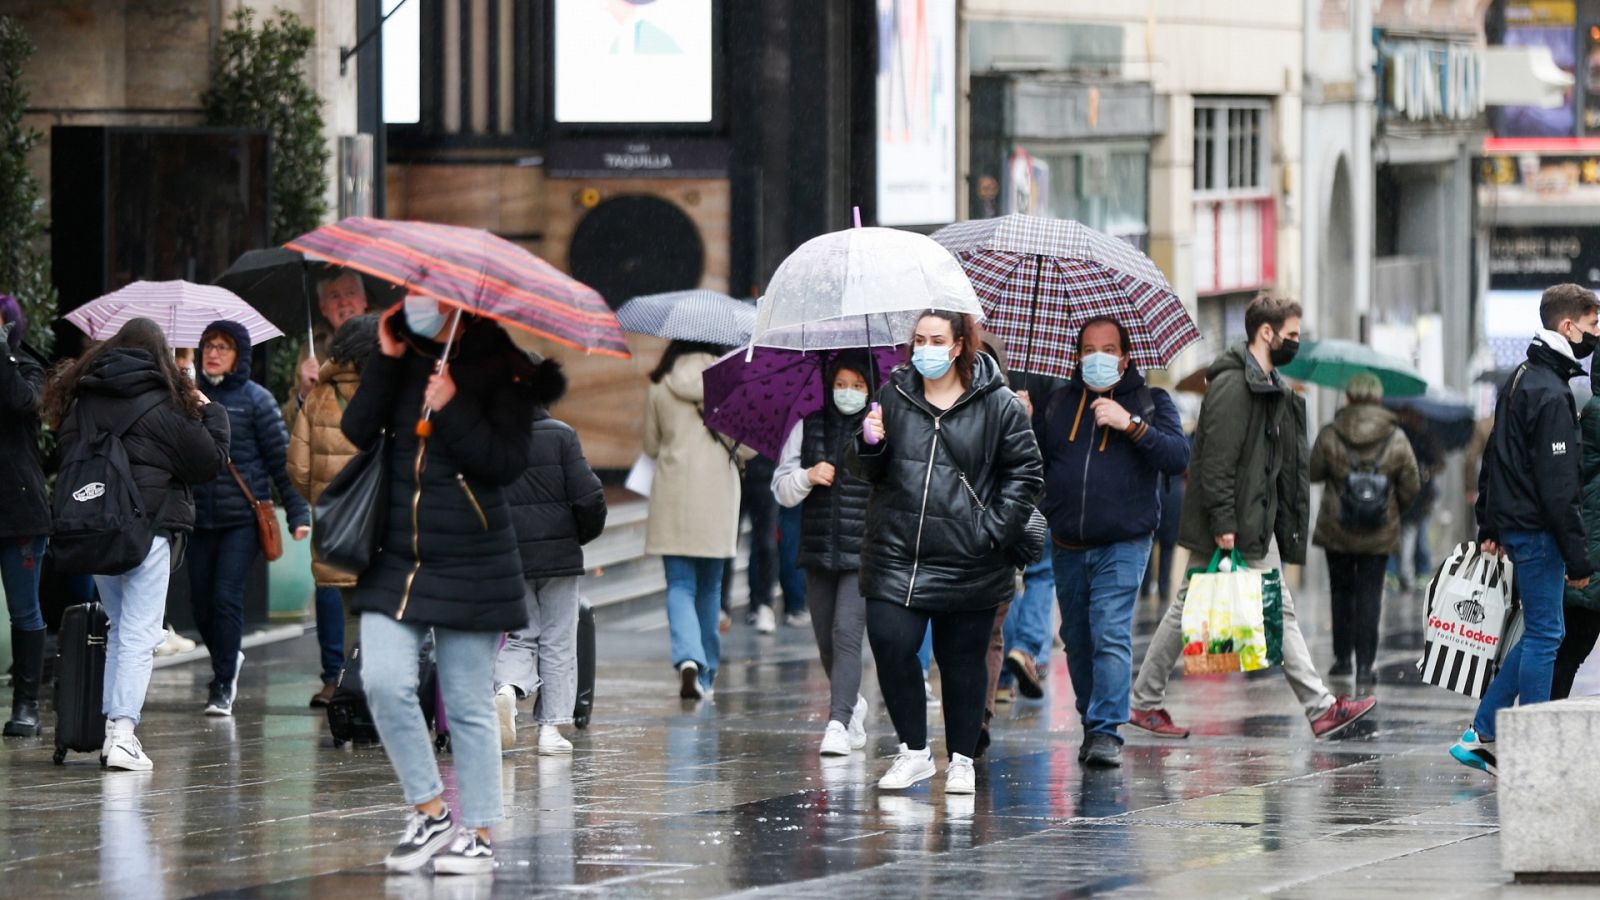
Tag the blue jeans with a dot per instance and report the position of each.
(135, 603)
(1027, 625)
(925, 652)
(694, 604)
(465, 662)
(790, 578)
(1097, 589)
(20, 559)
(219, 562)
(1525, 675)
(330, 632)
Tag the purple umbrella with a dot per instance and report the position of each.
(757, 402)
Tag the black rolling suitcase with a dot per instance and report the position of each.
(585, 705)
(349, 718)
(80, 680)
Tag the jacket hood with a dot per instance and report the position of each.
(548, 382)
(241, 341)
(1238, 358)
(123, 372)
(685, 381)
(1546, 351)
(1364, 425)
(339, 373)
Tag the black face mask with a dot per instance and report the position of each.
(1283, 354)
(1584, 348)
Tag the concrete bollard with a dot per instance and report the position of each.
(1550, 790)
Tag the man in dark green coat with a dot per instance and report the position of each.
(1581, 606)
(1249, 491)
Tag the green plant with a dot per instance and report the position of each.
(24, 259)
(258, 81)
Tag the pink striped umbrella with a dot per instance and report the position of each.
(183, 309)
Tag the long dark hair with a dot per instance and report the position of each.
(137, 334)
(677, 349)
(963, 328)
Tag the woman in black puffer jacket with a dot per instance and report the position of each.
(226, 540)
(448, 561)
(930, 552)
(24, 515)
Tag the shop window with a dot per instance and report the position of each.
(1235, 216)
(1102, 185)
(1232, 147)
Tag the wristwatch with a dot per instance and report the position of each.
(1134, 422)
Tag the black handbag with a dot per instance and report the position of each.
(348, 522)
(1028, 549)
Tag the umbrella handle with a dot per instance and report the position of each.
(425, 424)
(866, 433)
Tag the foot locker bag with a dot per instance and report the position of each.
(1471, 607)
(80, 681)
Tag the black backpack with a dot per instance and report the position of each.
(100, 523)
(1364, 496)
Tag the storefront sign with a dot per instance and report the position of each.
(665, 158)
(1431, 80)
(1537, 257)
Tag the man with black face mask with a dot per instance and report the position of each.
(1249, 491)
(1530, 493)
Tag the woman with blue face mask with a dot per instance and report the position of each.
(955, 473)
(812, 474)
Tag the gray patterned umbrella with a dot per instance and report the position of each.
(698, 315)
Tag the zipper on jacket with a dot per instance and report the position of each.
(473, 499)
(416, 531)
(927, 480)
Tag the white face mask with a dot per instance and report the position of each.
(849, 401)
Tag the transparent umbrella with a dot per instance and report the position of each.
(861, 287)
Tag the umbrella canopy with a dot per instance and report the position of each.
(859, 287)
(280, 284)
(705, 316)
(1330, 363)
(1448, 419)
(1041, 279)
(472, 270)
(757, 402)
(183, 309)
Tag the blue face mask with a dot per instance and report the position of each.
(849, 401)
(423, 316)
(932, 362)
(1102, 371)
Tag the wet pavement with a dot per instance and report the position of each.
(667, 799)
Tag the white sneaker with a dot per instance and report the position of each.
(858, 724)
(910, 767)
(173, 643)
(927, 692)
(959, 777)
(835, 740)
(766, 620)
(551, 743)
(122, 751)
(689, 687)
(505, 707)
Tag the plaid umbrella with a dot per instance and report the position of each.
(1041, 279)
(472, 270)
(705, 316)
(183, 309)
(757, 402)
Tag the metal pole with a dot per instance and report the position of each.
(1033, 315)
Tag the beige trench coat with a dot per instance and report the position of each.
(694, 498)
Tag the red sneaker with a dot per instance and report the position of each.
(1341, 715)
(1157, 722)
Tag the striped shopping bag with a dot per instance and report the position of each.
(1470, 615)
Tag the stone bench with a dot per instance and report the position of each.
(1549, 791)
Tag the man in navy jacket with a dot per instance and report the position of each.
(1106, 439)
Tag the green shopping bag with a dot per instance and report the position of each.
(1223, 619)
(1272, 615)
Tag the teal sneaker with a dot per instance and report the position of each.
(1475, 754)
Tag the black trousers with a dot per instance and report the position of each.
(1583, 628)
(1356, 582)
(960, 647)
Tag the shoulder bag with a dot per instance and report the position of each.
(350, 515)
(267, 530)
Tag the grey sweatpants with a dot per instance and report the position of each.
(839, 620)
(544, 656)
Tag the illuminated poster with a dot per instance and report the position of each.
(633, 61)
(1541, 23)
(916, 112)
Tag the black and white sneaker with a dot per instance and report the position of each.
(219, 701)
(424, 836)
(469, 854)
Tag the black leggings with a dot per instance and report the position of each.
(1356, 580)
(1583, 628)
(960, 646)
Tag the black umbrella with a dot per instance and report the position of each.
(280, 284)
(1448, 421)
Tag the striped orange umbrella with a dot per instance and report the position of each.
(475, 271)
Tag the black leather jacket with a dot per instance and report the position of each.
(927, 544)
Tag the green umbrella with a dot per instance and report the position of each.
(1330, 363)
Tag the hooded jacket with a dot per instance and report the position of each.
(1102, 486)
(259, 447)
(1531, 479)
(927, 545)
(448, 557)
(557, 505)
(24, 506)
(318, 450)
(1248, 471)
(1368, 434)
(167, 451)
(694, 499)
